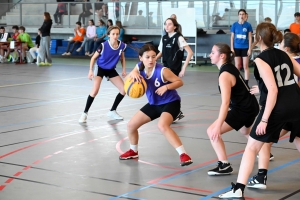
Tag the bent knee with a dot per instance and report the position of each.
(162, 127)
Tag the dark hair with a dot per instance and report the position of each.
(175, 23)
(292, 41)
(268, 19)
(112, 28)
(15, 27)
(2, 27)
(268, 33)
(111, 22)
(296, 14)
(93, 23)
(119, 24)
(47, 16)
(242, 10)
(102, 22)
(39, 29)
(142, 50)
(78, 23)
(286, 31)
(223, 48)
(22, 28)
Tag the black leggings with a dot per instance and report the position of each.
(74, 45)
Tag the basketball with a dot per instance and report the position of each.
(135, 89)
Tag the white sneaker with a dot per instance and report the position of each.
(87, 53)
(79, 49)
(68, 54)
(113, 114)
(83, 118)
(64, 54)
(232, 193)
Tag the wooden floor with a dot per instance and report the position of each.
(46, 154)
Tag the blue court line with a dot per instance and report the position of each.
(186, 173)
(269, 172)
(134, 198)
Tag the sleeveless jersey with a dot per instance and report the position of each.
(172, 55)
(156, 81)
(240, 97)
(297, 58)
(109, 57)
(287, 104)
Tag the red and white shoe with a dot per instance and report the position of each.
(185, 160)
(130, 154)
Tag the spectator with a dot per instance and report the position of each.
(295, 27)
(140, 20)
(268, 19)
(119, 24)
(109, 24)
(14, 37)
(101, 33)
(101, 9)
(286, 31)
(86, 11)
(15, 33)
(225, 15)
(151, 23)
(90, 35)
(35, 49)
(44, 50)
(78, 38)
(4, 49)
(60, 10)
(84, 43)
(24, 46)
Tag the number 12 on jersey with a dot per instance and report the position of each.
(288, 75)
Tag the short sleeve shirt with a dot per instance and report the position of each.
(181, 43)
(241, 34)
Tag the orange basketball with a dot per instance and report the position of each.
(135, 89)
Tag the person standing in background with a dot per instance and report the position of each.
(241, 42)
(86, 11)
(295, 27)
(44, 50)
(60, 10)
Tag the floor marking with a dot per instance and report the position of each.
(58, 152)
(69, 148)
(18, 173)
(9, 180)
(46, 157)
(37, 162)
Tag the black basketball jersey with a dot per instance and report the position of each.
(240, 98)
(287, 105)
(172, 55)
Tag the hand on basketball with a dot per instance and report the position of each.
(161, 90)
(91, 75)
(254, 89)
(135, 76)
(261, 128)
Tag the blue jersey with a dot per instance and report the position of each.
(241, 35)
(156, 81)
(109, 57)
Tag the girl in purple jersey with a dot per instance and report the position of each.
(107, 56)
(164, 103)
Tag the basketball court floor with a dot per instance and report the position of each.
(46, 154)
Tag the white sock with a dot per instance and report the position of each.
(224, 161)
(134, 147)
(180, 150)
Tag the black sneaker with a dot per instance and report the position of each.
(179, 117)
(258, 182)
(221, 169)
(33, 61)
(271, 157)
(24, 61)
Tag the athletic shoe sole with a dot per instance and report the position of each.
(218, 174)
(186, 163)
(127, 158)
(258, 186)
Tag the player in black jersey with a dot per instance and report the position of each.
(291, 45)
(171, 49)
(236, 97)
(279, 99)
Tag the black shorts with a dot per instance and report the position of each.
(273, 129)
(294, 127)
(154, 111)
(110, 73)
(237, 119)
(240, 52)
